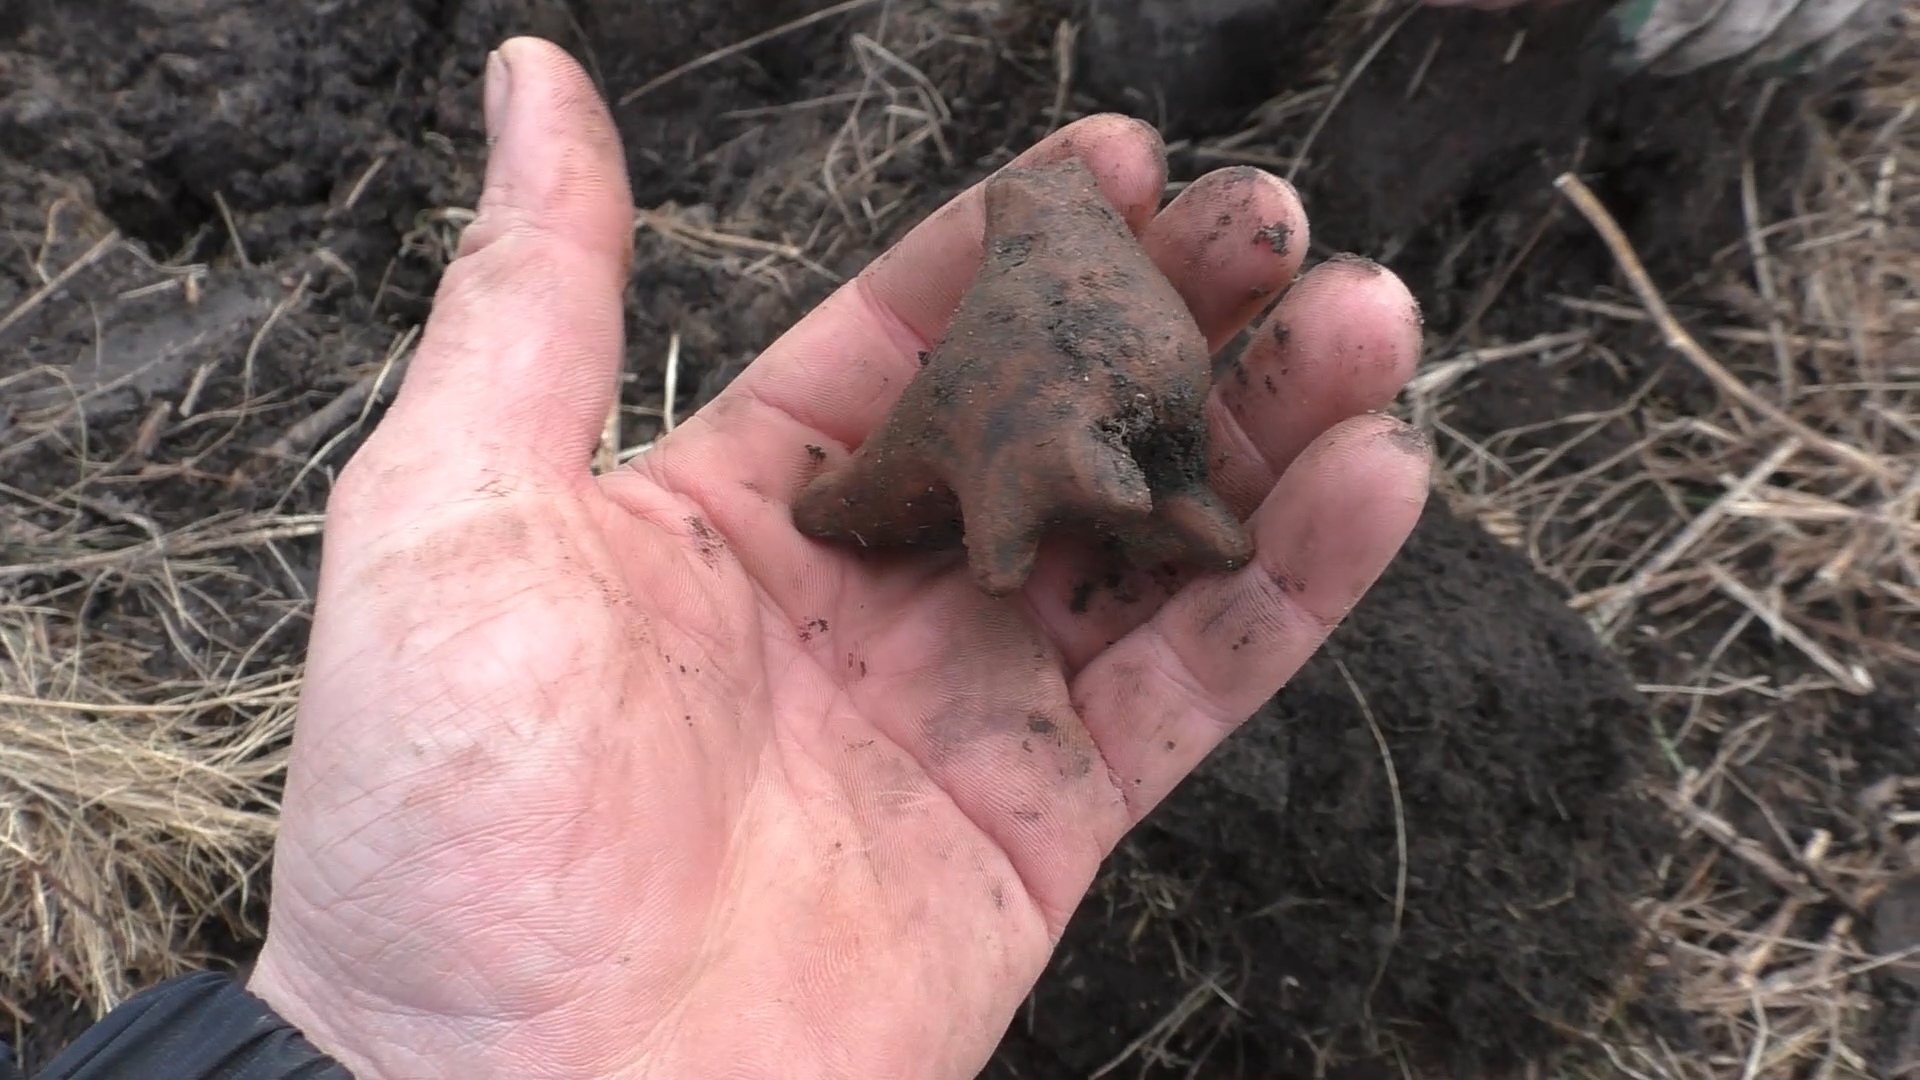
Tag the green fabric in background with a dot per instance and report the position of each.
(1674, 37)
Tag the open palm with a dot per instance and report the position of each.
(621, 776)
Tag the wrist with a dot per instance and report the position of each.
(203, 1026)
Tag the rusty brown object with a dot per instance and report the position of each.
(1067, 395)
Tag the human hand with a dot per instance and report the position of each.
(620, 776)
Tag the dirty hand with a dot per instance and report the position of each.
(621, 776)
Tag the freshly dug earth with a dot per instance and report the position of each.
(1419, 850)
(1068, 393)
(1444, 873)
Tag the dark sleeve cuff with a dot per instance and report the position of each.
(203, 1026)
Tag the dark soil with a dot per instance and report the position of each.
(1842, 771)
(303, 151)
(1276, 870)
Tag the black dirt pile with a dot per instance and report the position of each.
(1425, 848)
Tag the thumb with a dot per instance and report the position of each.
(516, 367)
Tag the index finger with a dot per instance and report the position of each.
(840, 369)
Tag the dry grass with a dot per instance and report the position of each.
(132, 808)
(139, 750)
(1786, 512)
(142, 723)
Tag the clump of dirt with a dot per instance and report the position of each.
(1066, 393)
(1426, 846)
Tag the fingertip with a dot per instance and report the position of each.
(527, 47)
(1228, 242)
(1342, 343)
(1347, 335)
(1413, 474)
(520, 351)
(555, 160)
(554, 73)
(1332, 525)
(1365, 482)
(1126, 155)
(1367, 293)
(1366, 435)
(1410, 441)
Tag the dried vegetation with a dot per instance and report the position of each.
(1753, 549)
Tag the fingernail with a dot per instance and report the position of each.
(1358, 262)
(499, 94)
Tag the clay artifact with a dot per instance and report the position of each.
(1067, 396)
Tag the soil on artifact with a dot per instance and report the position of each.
(1067, 393)
(1450, 867)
